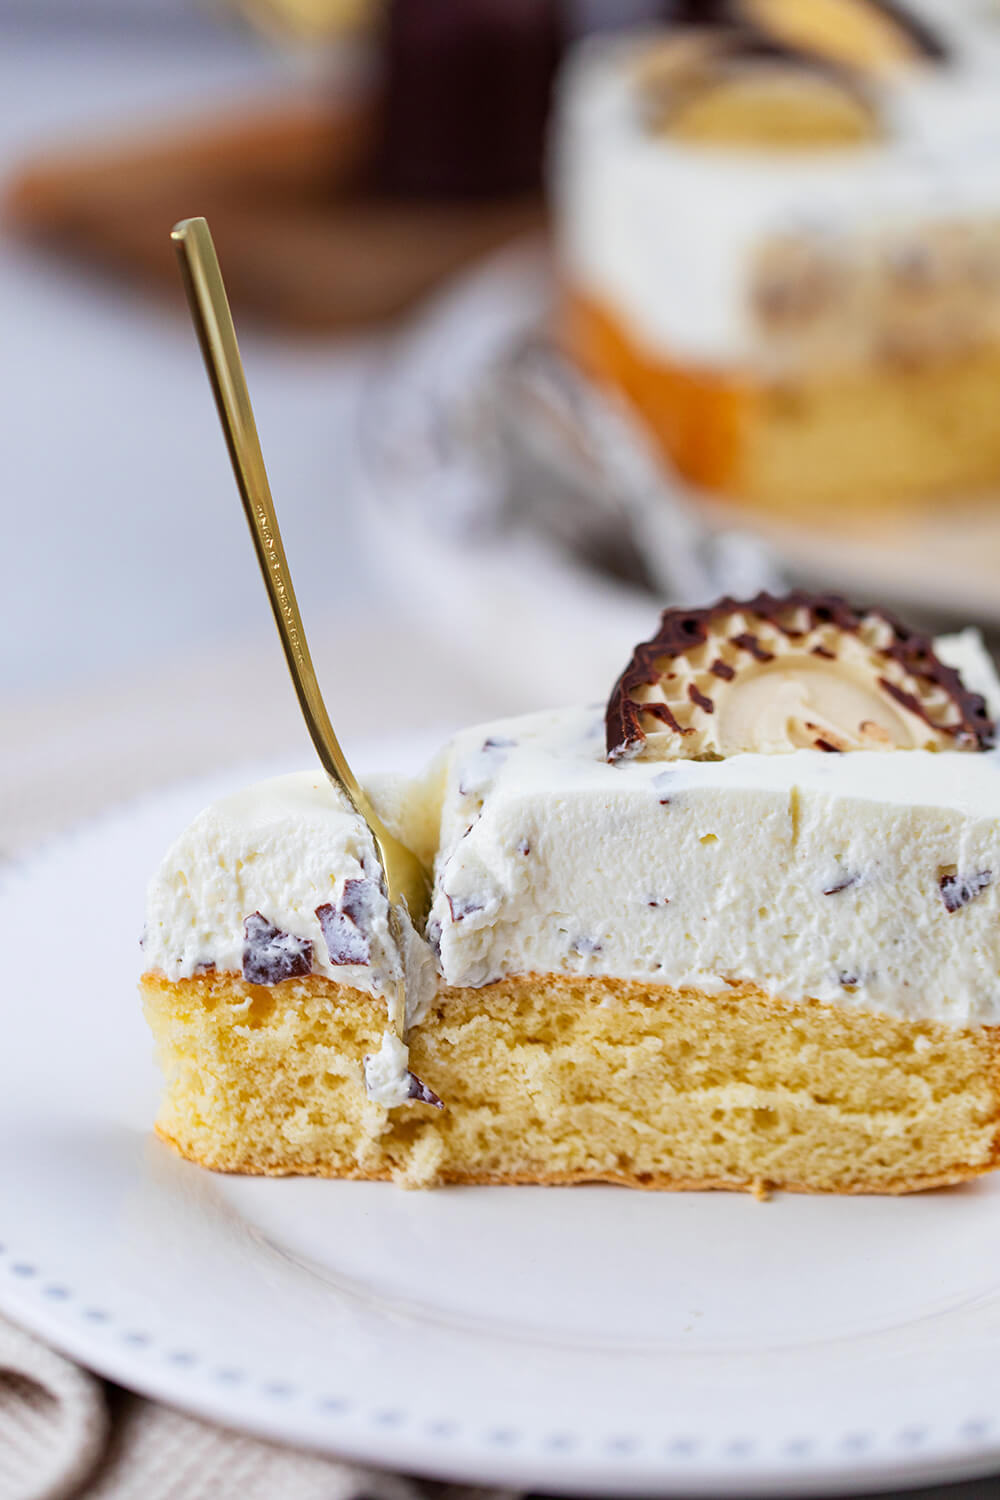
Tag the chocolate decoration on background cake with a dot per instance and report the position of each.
(771, 74)
(773, 674)
(739, 85)
(765, 18)
(920, 32)
(917, 36)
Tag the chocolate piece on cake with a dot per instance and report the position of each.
(958, 890)
(806, 671)
(735, 87)
(270, 955)
(423, 1094)
(863, 33)
(344, 926)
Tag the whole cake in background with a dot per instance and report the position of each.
(779, 235)
(736, 929)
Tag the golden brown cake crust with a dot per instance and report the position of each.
(645, 1182)
(562, 1079)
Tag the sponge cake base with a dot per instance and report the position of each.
(561, 1079)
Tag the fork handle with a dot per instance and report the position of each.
(206, 294)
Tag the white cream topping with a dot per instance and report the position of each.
(387, 1075)
(665, 235)
(871, 880)
(288, 848)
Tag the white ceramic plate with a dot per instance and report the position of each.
(571, 1339)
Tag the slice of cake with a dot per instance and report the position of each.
(778, 231)
(738, 930)
(271, 973)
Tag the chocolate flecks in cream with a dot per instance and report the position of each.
(463, 906)
(958, 890)
(479, 770)
(586, 947)
(702, 699)
(345, 927)
(358, 901)
(432, 937)
(663, 782)
(842, 883)
(524, 848)
(722, 669)
(270, 955)
(423, 1094)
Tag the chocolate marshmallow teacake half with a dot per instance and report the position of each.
(775, 674)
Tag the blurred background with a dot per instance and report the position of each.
(524, 372)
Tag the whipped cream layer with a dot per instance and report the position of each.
(665, 234)
(871, 879)
(288, 849)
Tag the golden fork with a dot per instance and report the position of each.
(405, 876)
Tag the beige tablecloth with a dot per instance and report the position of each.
(64, 1434)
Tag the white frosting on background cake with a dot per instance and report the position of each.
(663, 234)
(811, 875)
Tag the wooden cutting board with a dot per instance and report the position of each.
(303, 239)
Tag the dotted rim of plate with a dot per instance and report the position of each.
(911, 1440)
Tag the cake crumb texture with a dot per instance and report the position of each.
(559, 1079)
